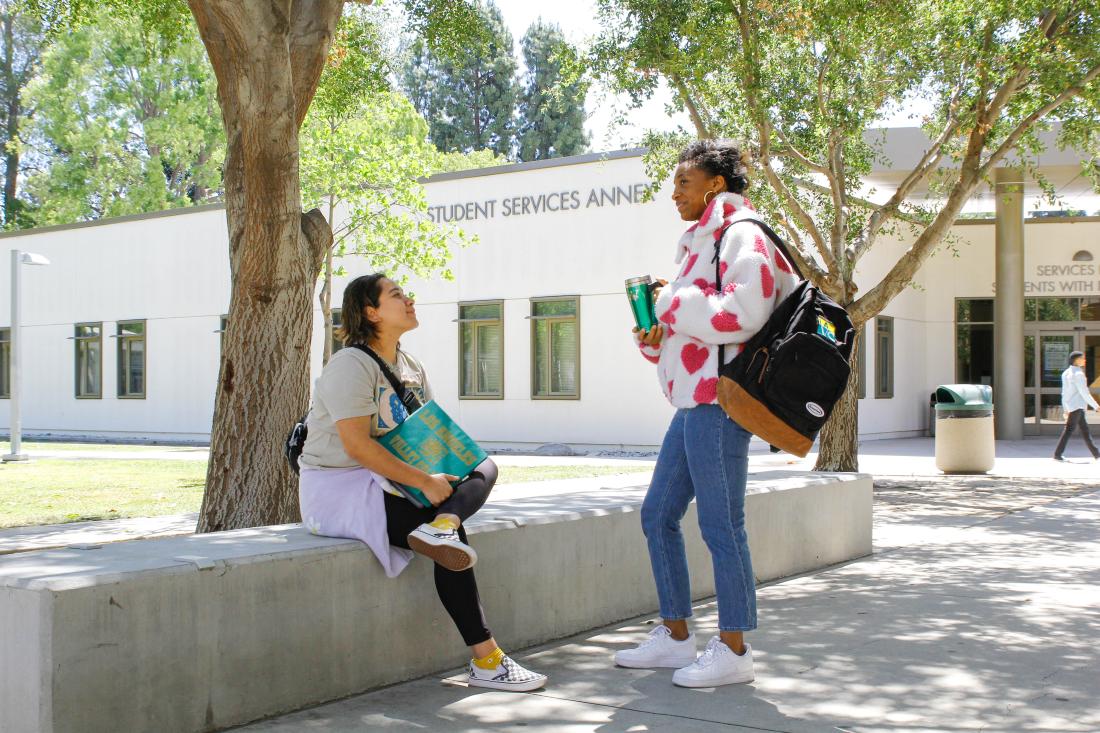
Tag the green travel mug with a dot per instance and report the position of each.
(639, 290)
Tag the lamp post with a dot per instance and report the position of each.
(18, 258)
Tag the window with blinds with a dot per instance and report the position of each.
(337, 322)
(884, 358)
(555, 349)
(481, 356)
(88, 358)
(131, 359)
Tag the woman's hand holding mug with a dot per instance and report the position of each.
(652, 337)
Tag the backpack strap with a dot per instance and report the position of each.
(408, 399)
(776, 240)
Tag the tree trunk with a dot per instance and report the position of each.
(326, 291)
(267, 57)
(838, 445)
(11, 127)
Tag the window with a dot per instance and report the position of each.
(1051, 309)
(5, 363)
(974, 341)
(555, 347)
(223, 326)
(861, 363)
(884, 358)
(337, 321)
(481, 336)
(88, 340)
(131, 359)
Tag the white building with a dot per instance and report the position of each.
(531, 343)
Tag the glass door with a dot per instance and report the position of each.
(1091, 346)
(1046, 358)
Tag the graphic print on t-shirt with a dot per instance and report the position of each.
(391, 411)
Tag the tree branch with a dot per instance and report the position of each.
(892, 208)
(763, 126)
(901, 274)
(693, 110)
(1026, 124)
(839, 231)
(312, 26)
(787, 149)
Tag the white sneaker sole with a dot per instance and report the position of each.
(733, 679)
(668, 664)
(507, 686)
(443, 553)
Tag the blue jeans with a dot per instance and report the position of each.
(705, 455)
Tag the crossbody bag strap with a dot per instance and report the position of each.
(408, 399)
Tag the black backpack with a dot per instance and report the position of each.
(784, 383)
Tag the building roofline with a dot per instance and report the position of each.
(536, 165)
(1031, 220)
(113, 220)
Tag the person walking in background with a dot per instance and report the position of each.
(1076, 398)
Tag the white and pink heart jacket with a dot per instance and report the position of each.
(699, 314)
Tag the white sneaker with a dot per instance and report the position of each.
(659, 650)
(444, 546)
(508, 675)
(717, 665)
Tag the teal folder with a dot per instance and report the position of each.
(430, 440)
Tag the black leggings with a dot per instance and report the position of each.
(457, 590)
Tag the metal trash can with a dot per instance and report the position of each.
(932, 415)
(964, 428)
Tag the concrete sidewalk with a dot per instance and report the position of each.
(887, 460)
(979, 612)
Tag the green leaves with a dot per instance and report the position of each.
(363, 171)
(800, 82)
(124, 121)
(469, 98)
(552, 108)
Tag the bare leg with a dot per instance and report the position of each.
(735, 640)
(484, 649)
(678, 627)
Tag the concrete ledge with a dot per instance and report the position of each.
(203, 632)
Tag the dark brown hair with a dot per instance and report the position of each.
(718, 158)
(364, 290)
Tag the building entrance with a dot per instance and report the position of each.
(1047, 347)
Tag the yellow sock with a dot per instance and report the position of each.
(445, 522)
(492, 661)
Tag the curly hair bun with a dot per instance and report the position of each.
(719, 158)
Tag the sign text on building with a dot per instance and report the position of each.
(539, 203)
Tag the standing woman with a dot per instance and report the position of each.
(345, 488)
(705, 454)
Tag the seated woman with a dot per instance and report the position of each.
(345, 488)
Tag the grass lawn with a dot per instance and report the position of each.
(28, 446)
(53, 491)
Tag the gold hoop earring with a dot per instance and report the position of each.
(705, 202)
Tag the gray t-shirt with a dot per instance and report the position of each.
(353, 385)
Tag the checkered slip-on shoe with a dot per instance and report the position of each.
(444, 546)
(507, 676)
